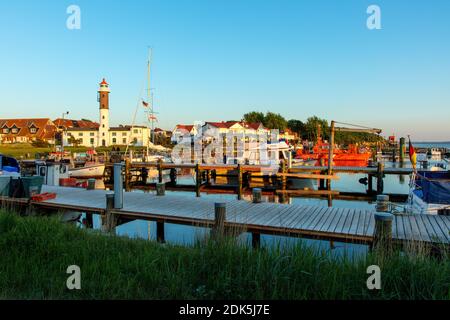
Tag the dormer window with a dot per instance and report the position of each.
(33, 129)
(5, 130)
(14, 130)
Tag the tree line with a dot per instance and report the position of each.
(309, 129)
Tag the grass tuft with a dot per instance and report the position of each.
(36, 251)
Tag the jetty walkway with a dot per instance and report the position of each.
(314, 222)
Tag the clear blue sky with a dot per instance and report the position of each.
(217, 59)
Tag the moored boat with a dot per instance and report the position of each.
(430, 192)
(9, 166)
(94, 170)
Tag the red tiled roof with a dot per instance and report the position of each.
(69, 123)
(253, 125)
(45, 128)
(223, 124)
(187, 127)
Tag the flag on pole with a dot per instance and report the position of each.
(152, 117)
(145, 104)
(412, 154)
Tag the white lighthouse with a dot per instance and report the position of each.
(103, 99)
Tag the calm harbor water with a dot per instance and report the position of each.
(187, 235)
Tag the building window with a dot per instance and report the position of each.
(124, 140)
(14, 130)
(114, 140)
(80, 134)
(103, 125)
(113, 134)
(103, 134)
(135, 131)
(124, 134)
(33, 130)
(103, 117)
(92, 141)
(92, 134)
(5, 130)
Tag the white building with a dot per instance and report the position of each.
(105, 135)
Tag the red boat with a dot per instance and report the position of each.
(353, 156)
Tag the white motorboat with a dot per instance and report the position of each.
(95, 170)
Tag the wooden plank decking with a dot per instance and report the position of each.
(336, 224)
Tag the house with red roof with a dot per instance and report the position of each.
(181, 130)
(27, 130)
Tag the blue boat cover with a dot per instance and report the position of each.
(435, 186)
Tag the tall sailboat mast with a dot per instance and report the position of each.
(151, 113)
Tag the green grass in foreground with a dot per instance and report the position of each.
(36, 251)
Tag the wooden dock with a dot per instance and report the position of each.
(314, 222)
(210, 179)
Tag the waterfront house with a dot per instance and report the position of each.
(27, 130)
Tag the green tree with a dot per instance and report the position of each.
(275, 121)
(312, 126)
(74, 141)
(296, 126)
(254, 116)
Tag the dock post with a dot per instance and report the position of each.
(173, 177)
(109, 222)
(369, 184)
(382, 203)
(402, 150)
(239, 191)
(89, 222)
(118, 186)
(197, 180)
(220, 211)
(256, 240)
(382, 238)
(127, 174)
(91, 184)
(160, 173)
(208, 177)
(160, 232)
(144, 175)
(330, 155)
(257, 195)
(380, 174)
(160, 189)
(322, 181)
(283, 177)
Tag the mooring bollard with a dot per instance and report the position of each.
(257, 195)
(118, 186)
(382, 238)
(160, 189)
(382, 203)
(108, 221)
(220, 211)
(91, 184)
